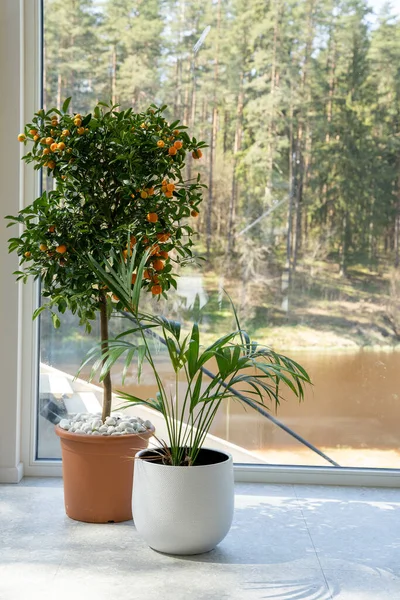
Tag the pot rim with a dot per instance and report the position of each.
(95, 439)
(228, 456)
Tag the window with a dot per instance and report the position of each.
(299, 103)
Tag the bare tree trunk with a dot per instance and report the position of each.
(114, 74)
(236, 149)
(44, 71)
(59, 88)
(213, 140)
(271, 121)
(210, 201)
(343, 246)
(107, 386)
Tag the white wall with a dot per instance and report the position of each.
(10, 59)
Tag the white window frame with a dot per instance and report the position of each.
(29, 49)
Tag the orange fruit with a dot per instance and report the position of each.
(143, 194)
(27, 254)
(36, 138)
(169, 194)
(43, 141)
(145, 240)
(172, 151)
(163, 254)
(155, 279)
(156, 289)
(52, 228)
(81, 130)
(178, 144)
(164, 182)
(146, 274)
(46, 151)
(43, 247)
(197, 153)
(194, 213)
(63, 177)
(61, 146)
(133, 240)
(152, 217)
(150, 191)
(49, 141)
(78, 122)
(176, 132)
(51, 164)
(21, 137)
(65, 133)
(134, 277)
(170, 187)
(54, 123)
(33, 131)
(143, 126)
(160, 144)
(155, 250)
(163, 237)
(164, 189)
(53, 147)
(158, 264)
(61, 249)
(132, 195)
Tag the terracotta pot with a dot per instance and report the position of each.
(98, 475)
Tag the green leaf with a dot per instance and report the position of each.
(192, 353)
(66, 104)
(56, 321)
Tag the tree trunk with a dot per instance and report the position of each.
(44, 71)
(210, 201)
(107, 386)
(343, 246)
(59, 88)
(236, 149)
(114, 75)
(271, 120)
(213, 140)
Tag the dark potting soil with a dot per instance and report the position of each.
(205, 457)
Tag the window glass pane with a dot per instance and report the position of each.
(299, 103)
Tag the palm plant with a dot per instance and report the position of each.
(242, 364)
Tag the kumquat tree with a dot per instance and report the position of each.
(118, 185)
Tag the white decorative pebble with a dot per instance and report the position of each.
(92, 424)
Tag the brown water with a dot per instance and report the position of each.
(352, 412)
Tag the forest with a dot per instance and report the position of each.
(299, 103)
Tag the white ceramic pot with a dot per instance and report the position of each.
(184, 510)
